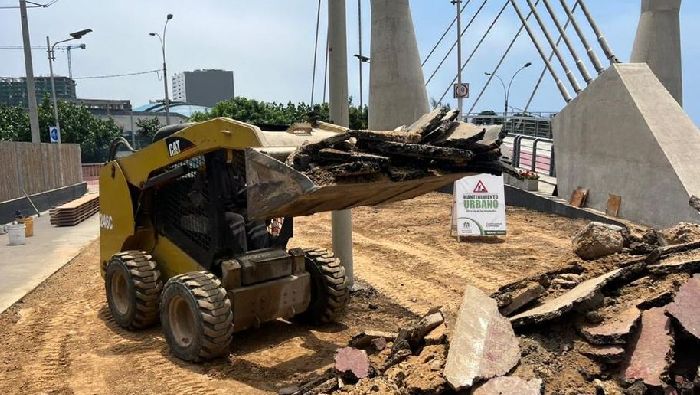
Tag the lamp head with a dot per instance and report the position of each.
(80, 34)
(528, 64)
(152, 34)
(169, 17)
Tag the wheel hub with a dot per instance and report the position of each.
(120, 295)
(181, 320)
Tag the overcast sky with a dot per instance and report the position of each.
(269, 44)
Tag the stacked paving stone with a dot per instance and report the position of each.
(76, 211)
(437, 143)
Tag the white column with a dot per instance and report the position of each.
(397, 94)
(658, 43)
(339, 109)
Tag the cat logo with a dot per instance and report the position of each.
(177, 145)
(174, 148)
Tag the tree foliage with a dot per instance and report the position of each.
(266, 113)
(148, 127)
(78, 126)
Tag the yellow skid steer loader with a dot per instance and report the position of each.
(194, 231)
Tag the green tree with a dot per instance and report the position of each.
(78, 126)
(148, 127)
(259, 112)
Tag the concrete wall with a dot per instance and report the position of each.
(658, 43)
(626, 135)
(397, 94)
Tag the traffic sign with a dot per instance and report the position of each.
(54, 134)
(461, 91)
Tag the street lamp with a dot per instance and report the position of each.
(74, 36)
(510, 84)
(165, 67)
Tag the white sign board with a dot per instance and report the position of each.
(54, 134)
(480, 206)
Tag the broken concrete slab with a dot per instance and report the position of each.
(353, 362)
(551, 309)
(652, 351)
(523, 297)
(364, 339)
(509, 385)
(675, 266)
(614, 330)
(685, 308)
(483, 344)
(605, 354)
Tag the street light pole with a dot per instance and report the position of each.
(460, 99)
(53, 88)
(506, 90)
(51, 48)
(29, 68)
(165, 67)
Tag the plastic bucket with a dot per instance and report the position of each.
(16, 234)
(29, 226)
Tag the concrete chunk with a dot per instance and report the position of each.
(352, 362)
(615, 330)
(652, 351)
(675, 266)
(686, 307)
(483, 343)
(554, 308)
(606, 354)
(523, 297)
(510, 385)
(597, 240)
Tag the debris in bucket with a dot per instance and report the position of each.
(437, 143)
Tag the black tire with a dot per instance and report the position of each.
(133, 285)
(329, 291)
(196, 316)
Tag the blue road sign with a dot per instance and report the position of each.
(54, 133)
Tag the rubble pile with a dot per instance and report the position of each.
(435, 144)
(626, 323)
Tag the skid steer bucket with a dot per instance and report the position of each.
(277, 190)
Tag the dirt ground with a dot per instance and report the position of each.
(61, 339)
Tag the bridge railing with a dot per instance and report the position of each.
(537, 124)
(535, 154)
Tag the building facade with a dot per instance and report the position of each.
(203, 87)
(13, 91)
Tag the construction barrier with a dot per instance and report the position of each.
(29, 168)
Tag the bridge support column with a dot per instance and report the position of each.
(397, 94)
(658, 43)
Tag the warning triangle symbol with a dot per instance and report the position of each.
(480, 188)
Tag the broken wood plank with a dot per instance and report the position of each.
(421, 151)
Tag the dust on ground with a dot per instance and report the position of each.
(61, 339)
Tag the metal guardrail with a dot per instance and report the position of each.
(532, 124)
(533, 157)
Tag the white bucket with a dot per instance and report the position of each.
(16, 234)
